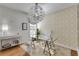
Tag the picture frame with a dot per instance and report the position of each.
(24, 26)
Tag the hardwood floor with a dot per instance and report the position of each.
(18, 51)
(14, 51)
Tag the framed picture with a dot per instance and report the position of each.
(24, 26)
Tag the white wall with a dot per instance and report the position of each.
(78, 26)
(14, 20)
(64, 26)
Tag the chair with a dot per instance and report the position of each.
(50, 46)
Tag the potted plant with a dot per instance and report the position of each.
(37, 33)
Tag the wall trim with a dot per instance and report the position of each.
(62, 45)
(65, 46)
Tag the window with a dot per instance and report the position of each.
(33, 30)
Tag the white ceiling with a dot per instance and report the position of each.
(48, 7)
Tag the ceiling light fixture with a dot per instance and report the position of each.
(36, 14)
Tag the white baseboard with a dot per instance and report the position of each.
(76, 49)
(65, 46)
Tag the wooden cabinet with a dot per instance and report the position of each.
(9, 41)
(74, 53)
